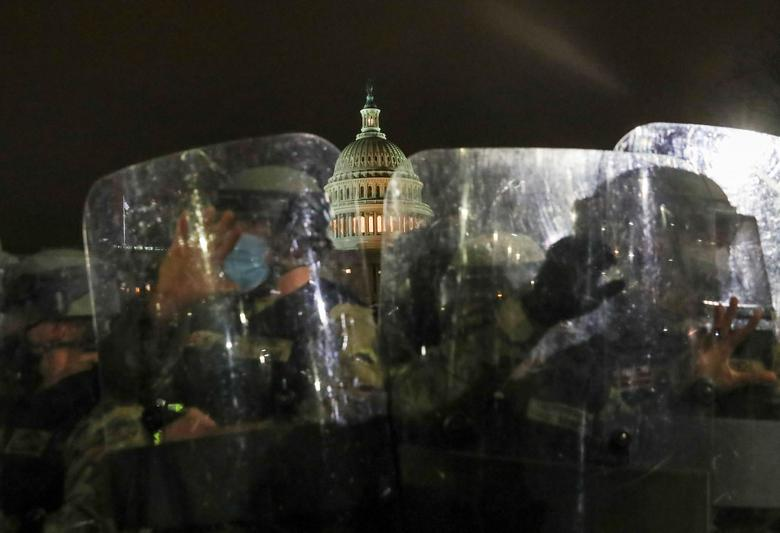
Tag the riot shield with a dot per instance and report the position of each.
(554, 347)
(242, 385)
(745, 164)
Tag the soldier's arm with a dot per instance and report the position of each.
(358, 359)
(86, 502)
(489, 346)
(360, 374)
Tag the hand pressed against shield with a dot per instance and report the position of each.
(192, 268)
(714, 350)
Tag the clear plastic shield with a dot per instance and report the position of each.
(746, 164)
(243, 386)
(555, 351)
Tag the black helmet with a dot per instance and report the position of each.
(669, 228)
(675, 201)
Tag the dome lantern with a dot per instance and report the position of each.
(370, 114)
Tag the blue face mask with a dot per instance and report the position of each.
(245, 265)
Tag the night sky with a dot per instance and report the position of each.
(89, 87)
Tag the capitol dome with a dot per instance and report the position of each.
(372, 156)
(359, 183)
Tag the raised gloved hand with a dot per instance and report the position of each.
(568, 283)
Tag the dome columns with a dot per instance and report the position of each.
(368, 222)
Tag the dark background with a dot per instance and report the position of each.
(90, 87)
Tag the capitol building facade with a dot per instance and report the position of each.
(357, 192)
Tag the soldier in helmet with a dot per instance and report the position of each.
(619, 331)
(460, 322)
(473, 312)
(658, 347)
(241, 333)
(268, 245)
(59, 358)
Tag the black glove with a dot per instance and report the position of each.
(567, 284)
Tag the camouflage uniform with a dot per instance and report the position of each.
(233, 386)
(250, 360)
(316, 337)
(34, 444)
(109, 427)
(619, 382)
(484, 332)
(277, 357)
(53, 322)
(347, 362)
